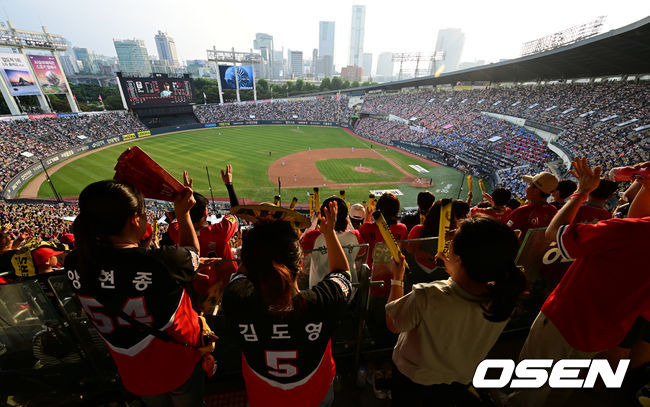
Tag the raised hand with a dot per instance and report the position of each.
(328, 222)
(588, 178)
(227, 175)
(187, 181)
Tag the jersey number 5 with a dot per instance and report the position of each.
(278, 369)
(133, 307)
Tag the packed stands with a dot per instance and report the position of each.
(322, 108)
(44, 137)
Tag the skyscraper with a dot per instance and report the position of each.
(366, 64)
(87, 59)
(295, 63)
(356, 35)
(264, 43)
(451, 42)
(167, 48)
(133, 56)
(326, 48)
(385, 66)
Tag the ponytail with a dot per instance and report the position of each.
(504, 295)
(104, 209)
(272, 257)
(487, 248)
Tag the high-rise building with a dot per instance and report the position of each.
(385, 66)
(264, 43)
(86, 60)
(352, 73)
(366, 64)
(278, 64)
(133, 56)
(295, 63)
(356, 35)
(167, 49)
(450, 41)
(326, 48)
(69, 60)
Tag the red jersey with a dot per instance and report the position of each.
(588, 213)
(531, 216)
(370, 234)
(607, 286)
(147, 284)
(213, 242)
(501, 214)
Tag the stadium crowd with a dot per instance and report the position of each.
(40, 138)
(325, 108)
(268, 311)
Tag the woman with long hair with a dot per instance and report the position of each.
(447, 327)
(284, 333)
(135, 296)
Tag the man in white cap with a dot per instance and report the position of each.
(357, 215)
(537, 213)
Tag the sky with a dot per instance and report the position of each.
(493, 30)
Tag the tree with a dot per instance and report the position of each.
(59, 104)
(299, 84)
(113, 102)
(355, 84)
(337, 83)
(346, 84)
(325, 84)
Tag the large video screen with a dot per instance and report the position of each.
(160, 91)
(244, 77)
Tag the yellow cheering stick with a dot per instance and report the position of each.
(480, 185)
(294, 201)
(311, 205)
(316, 200)
(276, 200)
(469, 183)
(395, 251)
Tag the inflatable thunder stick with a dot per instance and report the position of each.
(294, 201)
(135, 167)
(395, 251)
(469, 183)
(480, 185)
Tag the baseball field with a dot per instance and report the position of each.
(299, 157)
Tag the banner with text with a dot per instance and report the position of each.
(48, 74)
(17, 75)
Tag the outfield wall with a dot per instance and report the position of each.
(17, 182)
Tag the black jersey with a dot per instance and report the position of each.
(286, 357)
(148, 285)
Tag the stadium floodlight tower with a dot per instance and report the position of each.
(564, 37)
(417, 57)
(20, 41)
(225, 57)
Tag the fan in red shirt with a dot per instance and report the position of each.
(592, 309)
(213, 239)
(498, 201)
(594, 209)
(537, 213)
(388, 204)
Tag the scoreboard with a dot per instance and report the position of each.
(158, 90)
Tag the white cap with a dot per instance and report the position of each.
(357, 212)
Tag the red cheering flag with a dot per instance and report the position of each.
(287, 88)
(135, 167)
(100, 98)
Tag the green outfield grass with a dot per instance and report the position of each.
(344, 170)
(247, 149)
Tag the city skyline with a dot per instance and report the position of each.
(491, 35)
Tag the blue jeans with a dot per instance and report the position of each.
(189, 394)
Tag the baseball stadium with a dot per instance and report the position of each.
(470, 258)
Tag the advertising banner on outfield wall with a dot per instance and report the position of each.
(48, 74)
(17, 75)
(244, 77)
